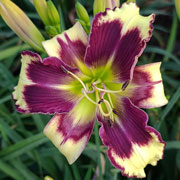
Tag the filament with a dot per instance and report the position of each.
(108, 106)
(85, 91)
(110, 100)
(76, 77)
(109, 96)
(106, 90)
(85, 94)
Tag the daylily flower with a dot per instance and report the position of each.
(88, 78)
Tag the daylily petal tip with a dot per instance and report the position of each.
(68, 46)
(17, 102)
(146, 88)
(62, 130)
(152, 16)
(144, 147)
(138, 173)
(30, 54)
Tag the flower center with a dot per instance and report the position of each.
(102, 95)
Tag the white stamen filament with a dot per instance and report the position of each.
(102, 95)
(89, 92)
(108, 104)
(85, 94)
(76, 77)
(109, 96)
(106, 90)
(110, 100)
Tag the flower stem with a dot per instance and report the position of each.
(98, 150)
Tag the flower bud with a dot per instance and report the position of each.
(128, 1)
(177, 5)
(82, 13)
(52, 30)
(84, 25)
(111, 3)
(99, 6)
(41, 8)
(48, 178)
(53, 13)
(17, 20)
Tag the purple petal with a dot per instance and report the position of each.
(118, 37)
(70, 132)
(146, 88)
(43, 86)
(69, 46)
(131, 143)
(103, 41)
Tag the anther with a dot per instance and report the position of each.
(115, 112)
(110, 122)
(124, 86)
(64, 70)
(100, 101)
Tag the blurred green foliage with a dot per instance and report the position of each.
(26, 154)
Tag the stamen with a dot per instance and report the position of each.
(82, 90)
(110, 100)
(115, 112)
(110, 122)
(100, 101)
(124, 86)
(112, 117)
(102, 95)
(76, 77)
(64, 70)
(106, 90)
(88, 91)
(109, 96)
(103, 113)
(106, 104)
(108, 108)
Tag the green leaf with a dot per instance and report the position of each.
(169, 106)
(88, 174)
(23, 146)
(163, 52)
(9, 170)
(23, 169)
(76, 172)
(172, 145)
(13, 50)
